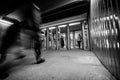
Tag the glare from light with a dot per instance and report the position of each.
(112, 31)
(76, 23)
(107, 43)
(118, 45)
(62, 26)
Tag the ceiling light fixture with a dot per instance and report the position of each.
(60, 26)
(76, 23)
(52, 27)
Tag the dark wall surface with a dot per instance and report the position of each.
(105, 33)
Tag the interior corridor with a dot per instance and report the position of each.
(59, 65)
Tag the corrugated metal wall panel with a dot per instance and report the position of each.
(105, 33)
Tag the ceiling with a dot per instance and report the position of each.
(49, 8)
(48, 5)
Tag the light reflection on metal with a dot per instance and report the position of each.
(107, 42)
(112, 32)
(118, 45)
(116, 31)
(75, 23)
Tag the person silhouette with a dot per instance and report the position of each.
(9, 39)
(79, 40)
(62, 41)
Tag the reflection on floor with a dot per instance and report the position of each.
(59, 65)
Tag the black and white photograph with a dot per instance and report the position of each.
(59, 39)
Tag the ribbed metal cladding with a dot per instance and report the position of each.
(105, 33)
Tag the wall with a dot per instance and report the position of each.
(105, 33)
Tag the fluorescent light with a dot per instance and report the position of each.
(76, 23)
(52, 27)
(62, 26)
(43, 29)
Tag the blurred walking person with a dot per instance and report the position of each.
(37, 48)
(9, 39)
(8, 44)
(32, 24)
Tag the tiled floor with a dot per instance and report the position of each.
(59, 65)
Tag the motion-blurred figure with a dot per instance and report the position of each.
(9, 40)
(29, 27)
(37, 48)
(32, 24)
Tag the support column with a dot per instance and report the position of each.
(47, 39)
(52, 39)
(83, 36)
(74, 39)
(68, 37)
(57, 45)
